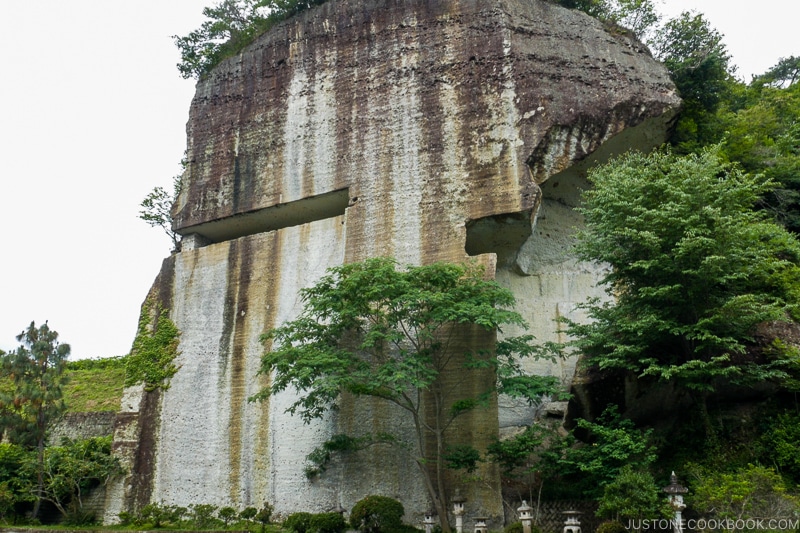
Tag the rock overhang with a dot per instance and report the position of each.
(454, 109)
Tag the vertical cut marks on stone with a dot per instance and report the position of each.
(319, 207)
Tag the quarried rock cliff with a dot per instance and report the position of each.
(424, 130)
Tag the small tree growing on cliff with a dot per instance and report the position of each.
(369, 329)
(36, 369)
(157, 210)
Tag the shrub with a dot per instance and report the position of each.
(226, 514)
(611, 526)
(377, 514)
(516, 527)
(203, 516)
(298, 522)
(327, 523)
(751, 491)
(632, 494)
(158, 515)
(250, 513)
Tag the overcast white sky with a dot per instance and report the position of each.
(92, 117)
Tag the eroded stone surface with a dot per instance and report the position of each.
(431, 115)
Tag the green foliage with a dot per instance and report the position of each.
(754, 491)
(327, 523)
(614, 444)
(249, 513)
(227, 515)
(784, 74)
(698, 62)
(231, 25)
(462, 456)
(72, 470)
(693, 269)
(377, 514)
(369, 329)
(632, 494)
(157, 515)
(15, 480)
(639, 16)
(763, 136)
(524, 452)
(320, 457)
(611, 526)
(780, 444)
(264, 515)
(157, 210)
(94, 384)
(35, 396)
(202, 515)
(154, 349)
(298, 522)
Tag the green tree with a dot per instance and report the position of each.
(15, 482)
(613, 443)
(784, 74)
(230, 26)
(369, 329)
(763, 136)
(692, 270)
(752, 491)
(36, 369)
(157, 210)
(73, 469)
(699, 64)
(632, 494)
(638, 16)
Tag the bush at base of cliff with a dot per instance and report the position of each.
(298, 522)
(327, 523)
(377, 514)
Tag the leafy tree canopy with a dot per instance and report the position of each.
(36, 369)
(692, 269)
(699, 64)
(370, 329)
(230, 26)
(157, 210)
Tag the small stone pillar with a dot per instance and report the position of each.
(572, 524)
(675, 492)
(525, 516)
(480, 524)
(429, 520)
(458, 510)
(339, 509)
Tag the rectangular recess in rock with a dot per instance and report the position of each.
(319, 207)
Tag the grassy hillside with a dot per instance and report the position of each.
(95, 385)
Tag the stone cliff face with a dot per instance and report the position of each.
(425, 130)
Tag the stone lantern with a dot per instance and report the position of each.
(458, 510)
(675, 492)
(572, 524)
(525, 516)
(480, 524)
(429, 520)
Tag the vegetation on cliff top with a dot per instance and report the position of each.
(231, 25)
